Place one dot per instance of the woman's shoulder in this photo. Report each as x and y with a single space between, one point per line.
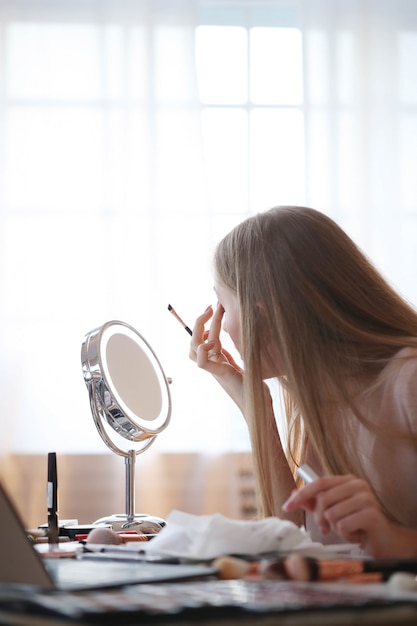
404 360
408 352
400 379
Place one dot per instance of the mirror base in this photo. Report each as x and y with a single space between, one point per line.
121 521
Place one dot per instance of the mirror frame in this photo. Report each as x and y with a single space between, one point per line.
107 407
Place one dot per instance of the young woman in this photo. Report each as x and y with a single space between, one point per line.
302 304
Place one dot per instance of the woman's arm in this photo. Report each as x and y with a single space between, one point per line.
206 350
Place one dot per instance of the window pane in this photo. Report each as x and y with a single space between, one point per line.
407 55
408 240
276 66
277 158
46 272
53 61
318 61
58 153
178 185
136 165
408 162
173 58
226 168
319 159
347 75
113 57
221 60
138 63
349 169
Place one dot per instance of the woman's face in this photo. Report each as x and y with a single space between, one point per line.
231 325
231 317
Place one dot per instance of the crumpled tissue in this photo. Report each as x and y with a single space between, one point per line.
209 536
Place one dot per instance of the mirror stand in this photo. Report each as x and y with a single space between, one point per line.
130 519
129 398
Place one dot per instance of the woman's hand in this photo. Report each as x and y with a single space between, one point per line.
347 505
207 351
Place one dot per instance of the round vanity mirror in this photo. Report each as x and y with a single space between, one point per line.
129 398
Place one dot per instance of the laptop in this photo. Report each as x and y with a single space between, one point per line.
21 563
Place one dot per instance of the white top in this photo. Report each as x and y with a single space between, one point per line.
391 465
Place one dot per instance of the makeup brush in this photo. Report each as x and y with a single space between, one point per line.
177 317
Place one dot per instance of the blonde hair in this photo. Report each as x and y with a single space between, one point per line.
304 287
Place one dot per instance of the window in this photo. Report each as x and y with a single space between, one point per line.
135 134
250 78
115 190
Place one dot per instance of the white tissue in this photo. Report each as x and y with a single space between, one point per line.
209 536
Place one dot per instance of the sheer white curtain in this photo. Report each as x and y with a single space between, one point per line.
360 61
135 133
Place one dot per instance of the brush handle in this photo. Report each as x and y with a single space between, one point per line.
306 473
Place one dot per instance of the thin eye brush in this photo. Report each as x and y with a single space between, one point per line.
177 317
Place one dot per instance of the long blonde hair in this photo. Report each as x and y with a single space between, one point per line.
305 287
